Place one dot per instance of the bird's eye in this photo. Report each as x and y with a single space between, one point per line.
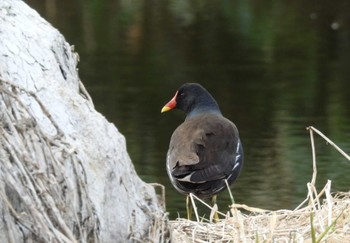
182 94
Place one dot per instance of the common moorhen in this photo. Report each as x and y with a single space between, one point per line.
205 150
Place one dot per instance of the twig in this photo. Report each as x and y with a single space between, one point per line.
194 206
207 205
314 167
229 191
251 209
329 201
330 142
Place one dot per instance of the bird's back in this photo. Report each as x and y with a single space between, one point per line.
203 152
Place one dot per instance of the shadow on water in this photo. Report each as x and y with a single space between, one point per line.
274 67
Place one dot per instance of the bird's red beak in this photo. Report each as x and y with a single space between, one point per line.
170 105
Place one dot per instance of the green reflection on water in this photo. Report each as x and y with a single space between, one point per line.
274 68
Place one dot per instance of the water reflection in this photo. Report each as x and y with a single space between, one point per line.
274 67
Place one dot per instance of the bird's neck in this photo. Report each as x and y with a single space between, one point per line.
205 108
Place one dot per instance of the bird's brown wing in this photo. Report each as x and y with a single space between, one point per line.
203 149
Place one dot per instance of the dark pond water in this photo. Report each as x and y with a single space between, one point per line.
275 67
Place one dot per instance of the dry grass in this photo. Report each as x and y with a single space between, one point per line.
321 217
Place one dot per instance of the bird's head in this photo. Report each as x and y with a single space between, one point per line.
192 98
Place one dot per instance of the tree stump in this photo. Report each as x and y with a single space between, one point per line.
65 174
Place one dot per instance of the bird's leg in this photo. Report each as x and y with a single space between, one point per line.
215 207
189 207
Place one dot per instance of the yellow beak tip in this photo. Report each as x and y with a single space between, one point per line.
165 108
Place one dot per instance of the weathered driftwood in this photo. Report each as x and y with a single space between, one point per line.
65 175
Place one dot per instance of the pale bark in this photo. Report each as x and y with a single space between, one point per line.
65 175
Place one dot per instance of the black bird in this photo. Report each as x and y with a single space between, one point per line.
205 150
